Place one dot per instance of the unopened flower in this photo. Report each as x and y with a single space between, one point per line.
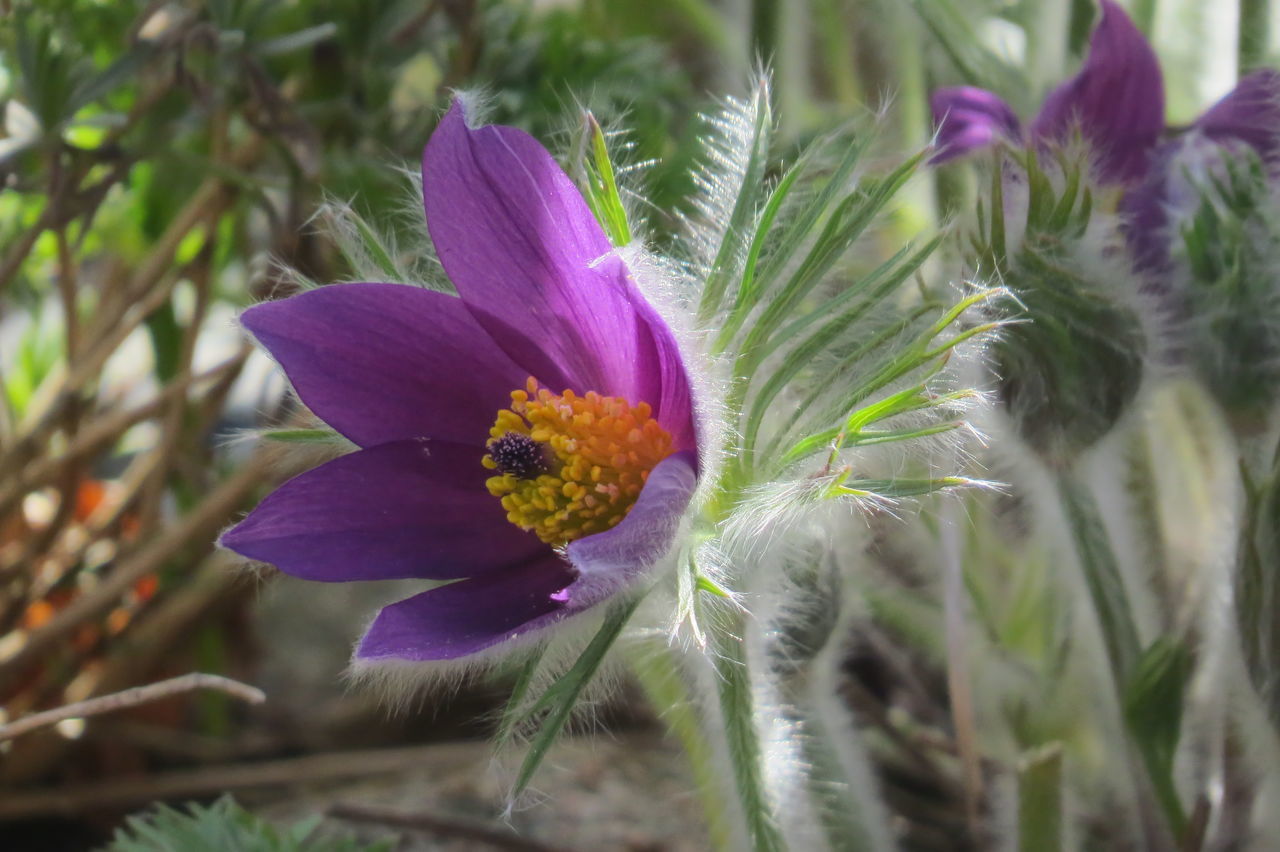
1246 119
1066 377
531 439
1116 102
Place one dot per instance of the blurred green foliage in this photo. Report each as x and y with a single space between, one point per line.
225 826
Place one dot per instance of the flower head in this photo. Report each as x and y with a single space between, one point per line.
1115 101
1246 119
531 439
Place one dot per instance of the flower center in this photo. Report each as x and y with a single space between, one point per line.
569 466
517 454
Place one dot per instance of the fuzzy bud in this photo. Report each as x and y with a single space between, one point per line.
1226 256
1068 371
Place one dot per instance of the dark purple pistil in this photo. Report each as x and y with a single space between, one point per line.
519 455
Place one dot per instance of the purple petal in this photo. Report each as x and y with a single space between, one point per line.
1182 167
398 510
1249 114
388 362
1145 216
610 559
469 616
529 259
1116 100
663 381
969 118
472 615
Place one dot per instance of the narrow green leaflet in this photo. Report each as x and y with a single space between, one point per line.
745 205
303 436
1153 703
560 699
787 241
602 186
847 223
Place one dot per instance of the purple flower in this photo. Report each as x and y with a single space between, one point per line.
1116 101
1248 118
532 438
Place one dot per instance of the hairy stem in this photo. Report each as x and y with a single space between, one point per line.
657 668
1102 578
1115 620
745 753
1255 28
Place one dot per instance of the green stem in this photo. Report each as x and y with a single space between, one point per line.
1144 15
839 51
658 670
765 20
1102 577
1115 619
1255 28
1082 14
842 819
745 755
915 211
1040 800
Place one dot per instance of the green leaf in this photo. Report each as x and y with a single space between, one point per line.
224 826
514 712
110 78
847 222
710 586
1102 577
166 341
1153 704
298 40
899 487
373 247
784 245
745 204
602 187
658 670
303 436
560 699
870 292
979 65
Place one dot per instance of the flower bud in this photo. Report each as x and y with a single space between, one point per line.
1072 360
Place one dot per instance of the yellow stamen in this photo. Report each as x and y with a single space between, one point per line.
600 450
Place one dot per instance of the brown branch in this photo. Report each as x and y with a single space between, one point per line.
22 246
132 698
148 289
70 474
133 656
201 523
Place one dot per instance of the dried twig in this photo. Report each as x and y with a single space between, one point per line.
132 698
148 288
437 824
126 792
134 656
198 525
106 428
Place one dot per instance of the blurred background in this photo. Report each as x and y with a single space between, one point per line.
165 164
